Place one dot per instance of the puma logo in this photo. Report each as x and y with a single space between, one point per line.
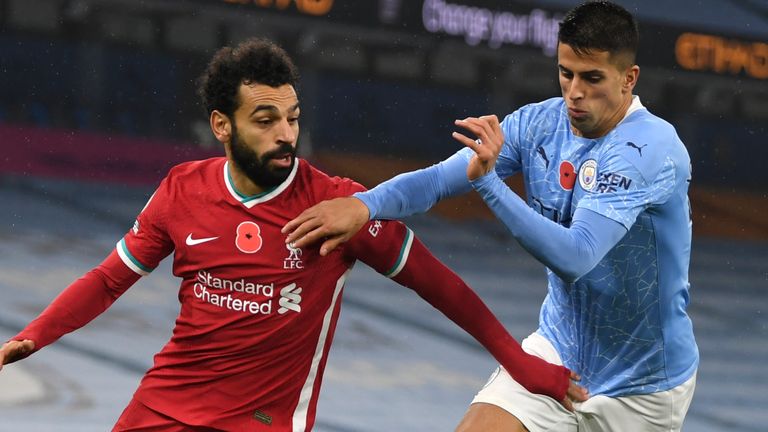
637 147
543 154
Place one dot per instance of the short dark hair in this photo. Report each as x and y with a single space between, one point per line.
252 61
600 26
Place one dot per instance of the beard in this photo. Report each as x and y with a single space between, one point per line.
257 168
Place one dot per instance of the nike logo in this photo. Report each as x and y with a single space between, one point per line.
192 241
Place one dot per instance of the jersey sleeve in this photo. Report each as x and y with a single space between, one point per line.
80 302
136 254
570 252
622 188
417 191
148 242
383 245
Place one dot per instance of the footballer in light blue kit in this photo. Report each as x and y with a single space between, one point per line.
618 317
607 212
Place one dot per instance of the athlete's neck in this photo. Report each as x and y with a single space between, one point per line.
242 183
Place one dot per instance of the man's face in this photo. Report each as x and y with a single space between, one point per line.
265 128
597 91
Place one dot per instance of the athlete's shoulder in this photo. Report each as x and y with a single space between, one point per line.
642 128
197 169
645 125
325 186
648 142
189 176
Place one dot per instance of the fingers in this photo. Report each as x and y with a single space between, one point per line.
484 150
477 127
330 244
28 345
15 350
485 127
576 392
488 130
494 126
469 142
318 233
300 232
312 231
306 228
297 226
490 119
567 404
339 218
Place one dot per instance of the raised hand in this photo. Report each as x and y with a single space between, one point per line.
487 146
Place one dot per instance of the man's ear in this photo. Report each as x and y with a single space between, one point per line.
630 78
221 126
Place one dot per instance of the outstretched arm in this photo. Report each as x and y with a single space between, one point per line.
417 191
136 254
75 307
396 253
336 221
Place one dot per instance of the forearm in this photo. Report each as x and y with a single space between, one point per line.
80 302
417 191
570 252
445 291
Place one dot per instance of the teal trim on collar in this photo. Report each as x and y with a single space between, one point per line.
246 198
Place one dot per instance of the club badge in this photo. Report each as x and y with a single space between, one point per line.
588 175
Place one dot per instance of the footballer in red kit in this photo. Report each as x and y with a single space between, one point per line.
258 314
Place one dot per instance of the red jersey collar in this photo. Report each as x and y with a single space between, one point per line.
250 201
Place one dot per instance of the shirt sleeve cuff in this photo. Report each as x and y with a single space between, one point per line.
486 181
366 198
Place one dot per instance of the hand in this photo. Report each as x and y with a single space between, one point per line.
488 131
334 221
15 350
575 392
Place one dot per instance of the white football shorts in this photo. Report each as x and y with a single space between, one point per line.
655 412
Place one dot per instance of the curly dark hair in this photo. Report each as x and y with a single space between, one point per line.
252 61
602 26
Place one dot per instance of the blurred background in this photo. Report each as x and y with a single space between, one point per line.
98 100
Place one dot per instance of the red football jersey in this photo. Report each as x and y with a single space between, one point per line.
257 316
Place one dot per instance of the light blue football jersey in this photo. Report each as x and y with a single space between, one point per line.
623 326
